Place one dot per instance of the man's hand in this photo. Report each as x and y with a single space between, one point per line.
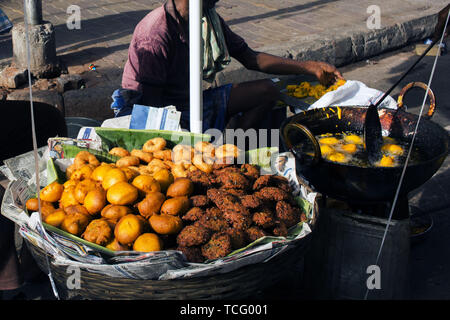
442 18
325 73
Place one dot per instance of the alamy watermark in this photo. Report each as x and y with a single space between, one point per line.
374 20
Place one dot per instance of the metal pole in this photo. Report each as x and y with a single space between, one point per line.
196 65
33 10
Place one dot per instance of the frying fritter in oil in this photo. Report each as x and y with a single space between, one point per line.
218 246
193 254
194 214
287 213
193 235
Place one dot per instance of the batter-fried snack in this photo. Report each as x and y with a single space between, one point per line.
180 187
177 206
193 254
237 220
165 224
201 180
213 220
227 202
238 238
98 231
272 181
218 246
263 219
235 192
119 152
193 235
200 200
287 213
194 214
280 229
251 201
254 233
251 171
272 194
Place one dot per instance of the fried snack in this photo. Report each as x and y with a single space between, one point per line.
95 201
119 152
202 181
146 184
353 138
280 229
70 183
68 198
287 213
193 254
386 161
83 158
213 220
113 212
151 204
98 231
158 163
217 247
179 171
154 144
122 194
130 172
112 177
203 162
52 192
176 206
128 229
199 201
55 218
272 194
180 187
193 235
233 180
250 171
272 181
349 148
33 204
148 242
254 233
193 214
76 220
238 220
235 192
227 202
115 245
128 161
83 173
165 155
227 152
263 219
165 224
164 178
70 170
238 237
99 172
392 149
205 148
182 153
250 201
83 187
337 157
142 155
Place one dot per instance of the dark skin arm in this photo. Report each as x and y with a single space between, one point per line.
442 18
267 63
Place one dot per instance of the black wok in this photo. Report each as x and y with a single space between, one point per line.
364 184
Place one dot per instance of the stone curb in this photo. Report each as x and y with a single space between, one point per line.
341 49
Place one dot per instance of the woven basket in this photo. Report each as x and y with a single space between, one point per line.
246 282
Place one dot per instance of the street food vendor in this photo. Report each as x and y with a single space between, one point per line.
158 68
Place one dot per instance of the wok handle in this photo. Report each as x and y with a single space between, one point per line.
306 132
422 85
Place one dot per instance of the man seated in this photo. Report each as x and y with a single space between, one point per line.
158 67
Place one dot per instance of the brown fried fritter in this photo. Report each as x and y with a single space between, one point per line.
263 219
251 171
287 213
194 214
251 201
238 238
201 180
237 220
213 220
272 181
200 200
218 246
272 194
226 202
193 235
280 229
254 233
234 192
193 254
233 180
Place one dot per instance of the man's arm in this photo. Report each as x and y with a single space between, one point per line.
442 18
267 63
